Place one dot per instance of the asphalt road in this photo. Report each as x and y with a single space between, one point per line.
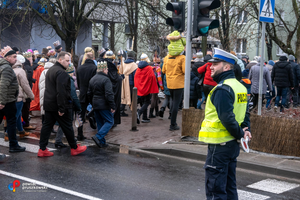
108 175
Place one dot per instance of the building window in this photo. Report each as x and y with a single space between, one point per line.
241 45
279 51
129 43
242 17
282 17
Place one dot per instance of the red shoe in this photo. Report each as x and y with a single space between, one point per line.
79 150
45 153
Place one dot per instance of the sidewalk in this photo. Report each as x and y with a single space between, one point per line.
156 137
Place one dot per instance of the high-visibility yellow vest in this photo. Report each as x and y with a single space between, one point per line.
212 130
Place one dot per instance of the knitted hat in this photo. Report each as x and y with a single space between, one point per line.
27 54
271 62
131 54
110 54
15 49
199 57
20 58
144 57
30 50
177 43
283 58
291 58
70 69
207 58
6 51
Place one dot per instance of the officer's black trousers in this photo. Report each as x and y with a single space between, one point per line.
220 171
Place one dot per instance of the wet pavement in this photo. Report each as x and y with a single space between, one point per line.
159 166
106 174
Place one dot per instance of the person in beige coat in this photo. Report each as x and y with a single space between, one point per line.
24 93
127 69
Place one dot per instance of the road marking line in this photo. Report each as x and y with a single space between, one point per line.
244 195
29 147
60 189
273 186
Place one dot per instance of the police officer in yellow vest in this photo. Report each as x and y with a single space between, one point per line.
226 121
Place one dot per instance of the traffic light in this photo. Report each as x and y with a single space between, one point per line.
178 15
201 22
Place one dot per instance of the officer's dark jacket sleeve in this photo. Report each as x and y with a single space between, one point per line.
223 100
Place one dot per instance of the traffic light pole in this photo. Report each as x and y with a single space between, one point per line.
188 56
261 67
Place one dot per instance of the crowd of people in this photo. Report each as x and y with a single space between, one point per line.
50 81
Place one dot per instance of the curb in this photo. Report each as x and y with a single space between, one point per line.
252 166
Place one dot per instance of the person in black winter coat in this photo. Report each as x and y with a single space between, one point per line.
101 96
283 79
195 90
58 105
296 72
84 74
116 81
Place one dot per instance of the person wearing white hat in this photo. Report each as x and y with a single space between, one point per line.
146 84
24 91
226 121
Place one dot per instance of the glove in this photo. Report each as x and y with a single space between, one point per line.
122 75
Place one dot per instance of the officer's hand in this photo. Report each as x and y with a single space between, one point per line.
60 114
1 106
247 133
112 110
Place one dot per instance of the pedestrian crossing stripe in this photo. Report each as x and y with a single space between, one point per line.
29 147
273 186
267 10
245 195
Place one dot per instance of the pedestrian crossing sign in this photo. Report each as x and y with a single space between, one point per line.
266 11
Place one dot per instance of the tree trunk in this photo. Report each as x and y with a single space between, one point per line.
298 45
269 48
136 20
112 36
70 45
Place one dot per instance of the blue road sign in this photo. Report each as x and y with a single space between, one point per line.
266 11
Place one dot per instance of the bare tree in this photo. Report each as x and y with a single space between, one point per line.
284 32
66 17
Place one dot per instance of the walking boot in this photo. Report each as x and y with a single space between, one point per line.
80 136
27 128
2 157
161 112
23 134
156 111
151 113
123 114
